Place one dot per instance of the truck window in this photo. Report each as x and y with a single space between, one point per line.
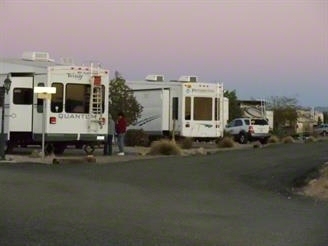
261 122
23 96
202 108
187 108
56 104
238 123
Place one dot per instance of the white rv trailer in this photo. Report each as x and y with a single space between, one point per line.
76 114
187 107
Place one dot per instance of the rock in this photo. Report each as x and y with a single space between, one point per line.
90 158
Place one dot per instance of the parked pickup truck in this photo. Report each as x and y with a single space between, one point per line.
321 129
249 129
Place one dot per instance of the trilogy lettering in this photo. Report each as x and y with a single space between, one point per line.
75 75
76 116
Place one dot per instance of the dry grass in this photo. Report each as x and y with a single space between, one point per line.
186 143
257 144
165 147
226 142
311 139
288 139
318 188
273 139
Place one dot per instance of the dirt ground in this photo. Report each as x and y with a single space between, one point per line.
317 188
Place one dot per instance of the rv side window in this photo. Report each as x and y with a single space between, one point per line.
175 108
202 108
57 98
39 102
217 109
187 108
23 96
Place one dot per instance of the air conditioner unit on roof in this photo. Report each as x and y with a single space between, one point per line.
153 77
188 79
36 56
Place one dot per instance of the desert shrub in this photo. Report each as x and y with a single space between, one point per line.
273 139
186 143
226 142
257 144
164 147
310 139
227 134
324 171
288 139
136 137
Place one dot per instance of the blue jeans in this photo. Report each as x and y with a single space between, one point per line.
120 142
108 145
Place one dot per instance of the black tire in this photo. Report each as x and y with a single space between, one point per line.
324 133
9 149
59 149
264 140
242 138
79 145
49 149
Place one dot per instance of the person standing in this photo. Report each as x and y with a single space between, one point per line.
120 131
108 146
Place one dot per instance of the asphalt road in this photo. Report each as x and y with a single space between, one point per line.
232 198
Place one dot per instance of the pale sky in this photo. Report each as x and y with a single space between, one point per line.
260 48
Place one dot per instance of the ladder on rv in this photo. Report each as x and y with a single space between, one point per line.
96 100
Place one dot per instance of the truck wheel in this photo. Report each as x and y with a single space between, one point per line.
243 138
324 133
264 140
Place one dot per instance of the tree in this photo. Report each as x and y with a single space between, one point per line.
122 99
325 117
284 111
234 108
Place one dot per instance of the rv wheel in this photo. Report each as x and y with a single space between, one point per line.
10 148
59 149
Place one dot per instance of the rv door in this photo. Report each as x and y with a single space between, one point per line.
39 80
20 114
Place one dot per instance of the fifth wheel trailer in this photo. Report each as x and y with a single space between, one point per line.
75 114
186 107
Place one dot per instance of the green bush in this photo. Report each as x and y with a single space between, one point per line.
186 143
226 142
136 138
164 147
288 139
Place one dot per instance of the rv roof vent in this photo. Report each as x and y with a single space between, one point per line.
154 78
66 61
188 79
36 56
